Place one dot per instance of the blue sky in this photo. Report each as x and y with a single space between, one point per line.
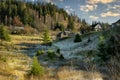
91 10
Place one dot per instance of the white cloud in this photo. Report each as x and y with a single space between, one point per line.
100 1
88 7
50 1
61 0
53 1
68 9
115 7
93 4
94 17
109 13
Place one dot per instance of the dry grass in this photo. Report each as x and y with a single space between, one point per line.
18 42
70 74
66 73
13 67
16 39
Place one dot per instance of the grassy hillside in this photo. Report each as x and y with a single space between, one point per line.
16 65
78 62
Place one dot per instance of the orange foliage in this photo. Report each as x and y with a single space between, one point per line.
16 21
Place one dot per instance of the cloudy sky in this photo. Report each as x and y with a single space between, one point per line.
91 10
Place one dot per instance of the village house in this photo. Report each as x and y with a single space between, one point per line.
64 34
17 29
98 27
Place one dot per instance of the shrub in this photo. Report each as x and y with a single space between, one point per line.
4 34
47 44
58 51
77 38
61 56
51 54
37 69
39 52
89 59
4 59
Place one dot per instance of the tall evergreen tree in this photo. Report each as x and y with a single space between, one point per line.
46 36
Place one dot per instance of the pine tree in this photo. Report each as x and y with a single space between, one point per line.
46 36
109 55
37 69
77 38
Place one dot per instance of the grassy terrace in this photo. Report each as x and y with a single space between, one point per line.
18 41
15 65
